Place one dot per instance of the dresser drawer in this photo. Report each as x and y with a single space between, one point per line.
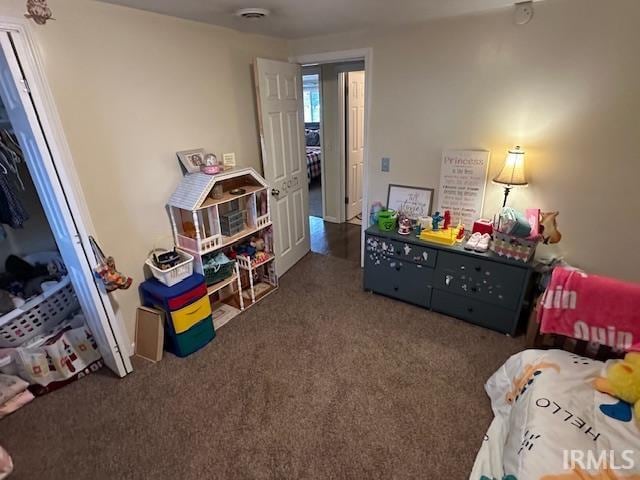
405 251
403 280
475 311
187 317
479 279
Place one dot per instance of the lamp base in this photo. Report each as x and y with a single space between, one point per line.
506 194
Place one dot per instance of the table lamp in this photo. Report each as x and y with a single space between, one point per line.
512 173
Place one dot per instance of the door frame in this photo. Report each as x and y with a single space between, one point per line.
359 54
68 185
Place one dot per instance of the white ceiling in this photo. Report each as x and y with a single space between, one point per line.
306 18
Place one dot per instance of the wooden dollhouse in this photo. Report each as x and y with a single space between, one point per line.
230 213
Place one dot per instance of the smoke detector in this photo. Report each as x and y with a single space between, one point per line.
523 13
252 13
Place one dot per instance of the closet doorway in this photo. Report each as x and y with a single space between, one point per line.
41 163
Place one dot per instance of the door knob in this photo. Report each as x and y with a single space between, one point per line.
275 192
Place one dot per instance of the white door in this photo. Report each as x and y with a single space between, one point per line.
355 142
61 211
281 117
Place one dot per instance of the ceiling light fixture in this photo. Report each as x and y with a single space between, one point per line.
252 13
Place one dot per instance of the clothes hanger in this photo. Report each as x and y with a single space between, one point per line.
11 164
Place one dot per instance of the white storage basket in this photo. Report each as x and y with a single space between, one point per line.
173 275
38 315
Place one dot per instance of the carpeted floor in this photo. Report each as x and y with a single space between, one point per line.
320 380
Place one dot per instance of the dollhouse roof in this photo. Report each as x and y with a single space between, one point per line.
195 187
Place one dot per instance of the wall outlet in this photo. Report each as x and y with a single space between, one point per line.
386 163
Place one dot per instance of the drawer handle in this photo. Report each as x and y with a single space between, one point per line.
395 289
478 268
470 309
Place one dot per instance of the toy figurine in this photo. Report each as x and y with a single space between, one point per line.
426 223
460 235
405 226
437 218
447 219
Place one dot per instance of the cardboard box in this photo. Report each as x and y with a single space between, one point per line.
149 333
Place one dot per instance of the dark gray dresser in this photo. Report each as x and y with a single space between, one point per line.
482 288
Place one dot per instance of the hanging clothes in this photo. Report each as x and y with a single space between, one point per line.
12 212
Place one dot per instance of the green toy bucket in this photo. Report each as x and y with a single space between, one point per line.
387 220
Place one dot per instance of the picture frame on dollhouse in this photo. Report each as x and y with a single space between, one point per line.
192 160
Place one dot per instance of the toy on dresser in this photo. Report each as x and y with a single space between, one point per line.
440 230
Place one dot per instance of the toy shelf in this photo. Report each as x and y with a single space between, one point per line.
248 302
229 197
246 264
211 289
207 218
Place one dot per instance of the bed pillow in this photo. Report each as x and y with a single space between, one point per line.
312 138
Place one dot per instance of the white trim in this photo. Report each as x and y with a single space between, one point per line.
342 143
333 57
49 119
344 56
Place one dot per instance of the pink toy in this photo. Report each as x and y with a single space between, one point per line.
405 226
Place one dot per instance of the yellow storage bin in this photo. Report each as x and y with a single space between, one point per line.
187 317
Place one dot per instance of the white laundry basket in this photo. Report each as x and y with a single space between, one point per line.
40 314
175 274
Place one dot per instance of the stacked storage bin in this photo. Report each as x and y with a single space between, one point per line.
188 321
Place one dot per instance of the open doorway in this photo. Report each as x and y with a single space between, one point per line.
313 146
334 95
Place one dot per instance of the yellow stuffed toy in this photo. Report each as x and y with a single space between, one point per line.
623 382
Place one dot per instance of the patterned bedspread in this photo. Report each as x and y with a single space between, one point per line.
314 154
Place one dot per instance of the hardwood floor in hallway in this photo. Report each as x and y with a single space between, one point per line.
340 240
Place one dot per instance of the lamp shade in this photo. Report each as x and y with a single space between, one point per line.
512 172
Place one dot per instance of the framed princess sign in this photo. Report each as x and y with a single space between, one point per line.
463 178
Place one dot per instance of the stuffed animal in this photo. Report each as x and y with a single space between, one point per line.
623 382
549 227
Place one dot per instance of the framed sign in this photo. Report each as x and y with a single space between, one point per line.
414 202
463 179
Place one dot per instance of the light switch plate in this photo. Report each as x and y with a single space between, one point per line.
386 163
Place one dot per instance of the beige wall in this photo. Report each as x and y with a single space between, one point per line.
132 88
565 87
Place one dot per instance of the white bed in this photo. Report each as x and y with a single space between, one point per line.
544 407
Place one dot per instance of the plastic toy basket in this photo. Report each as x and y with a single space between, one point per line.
39 314
219 272
175 274
517 248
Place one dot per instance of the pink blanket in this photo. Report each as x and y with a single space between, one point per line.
593 308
